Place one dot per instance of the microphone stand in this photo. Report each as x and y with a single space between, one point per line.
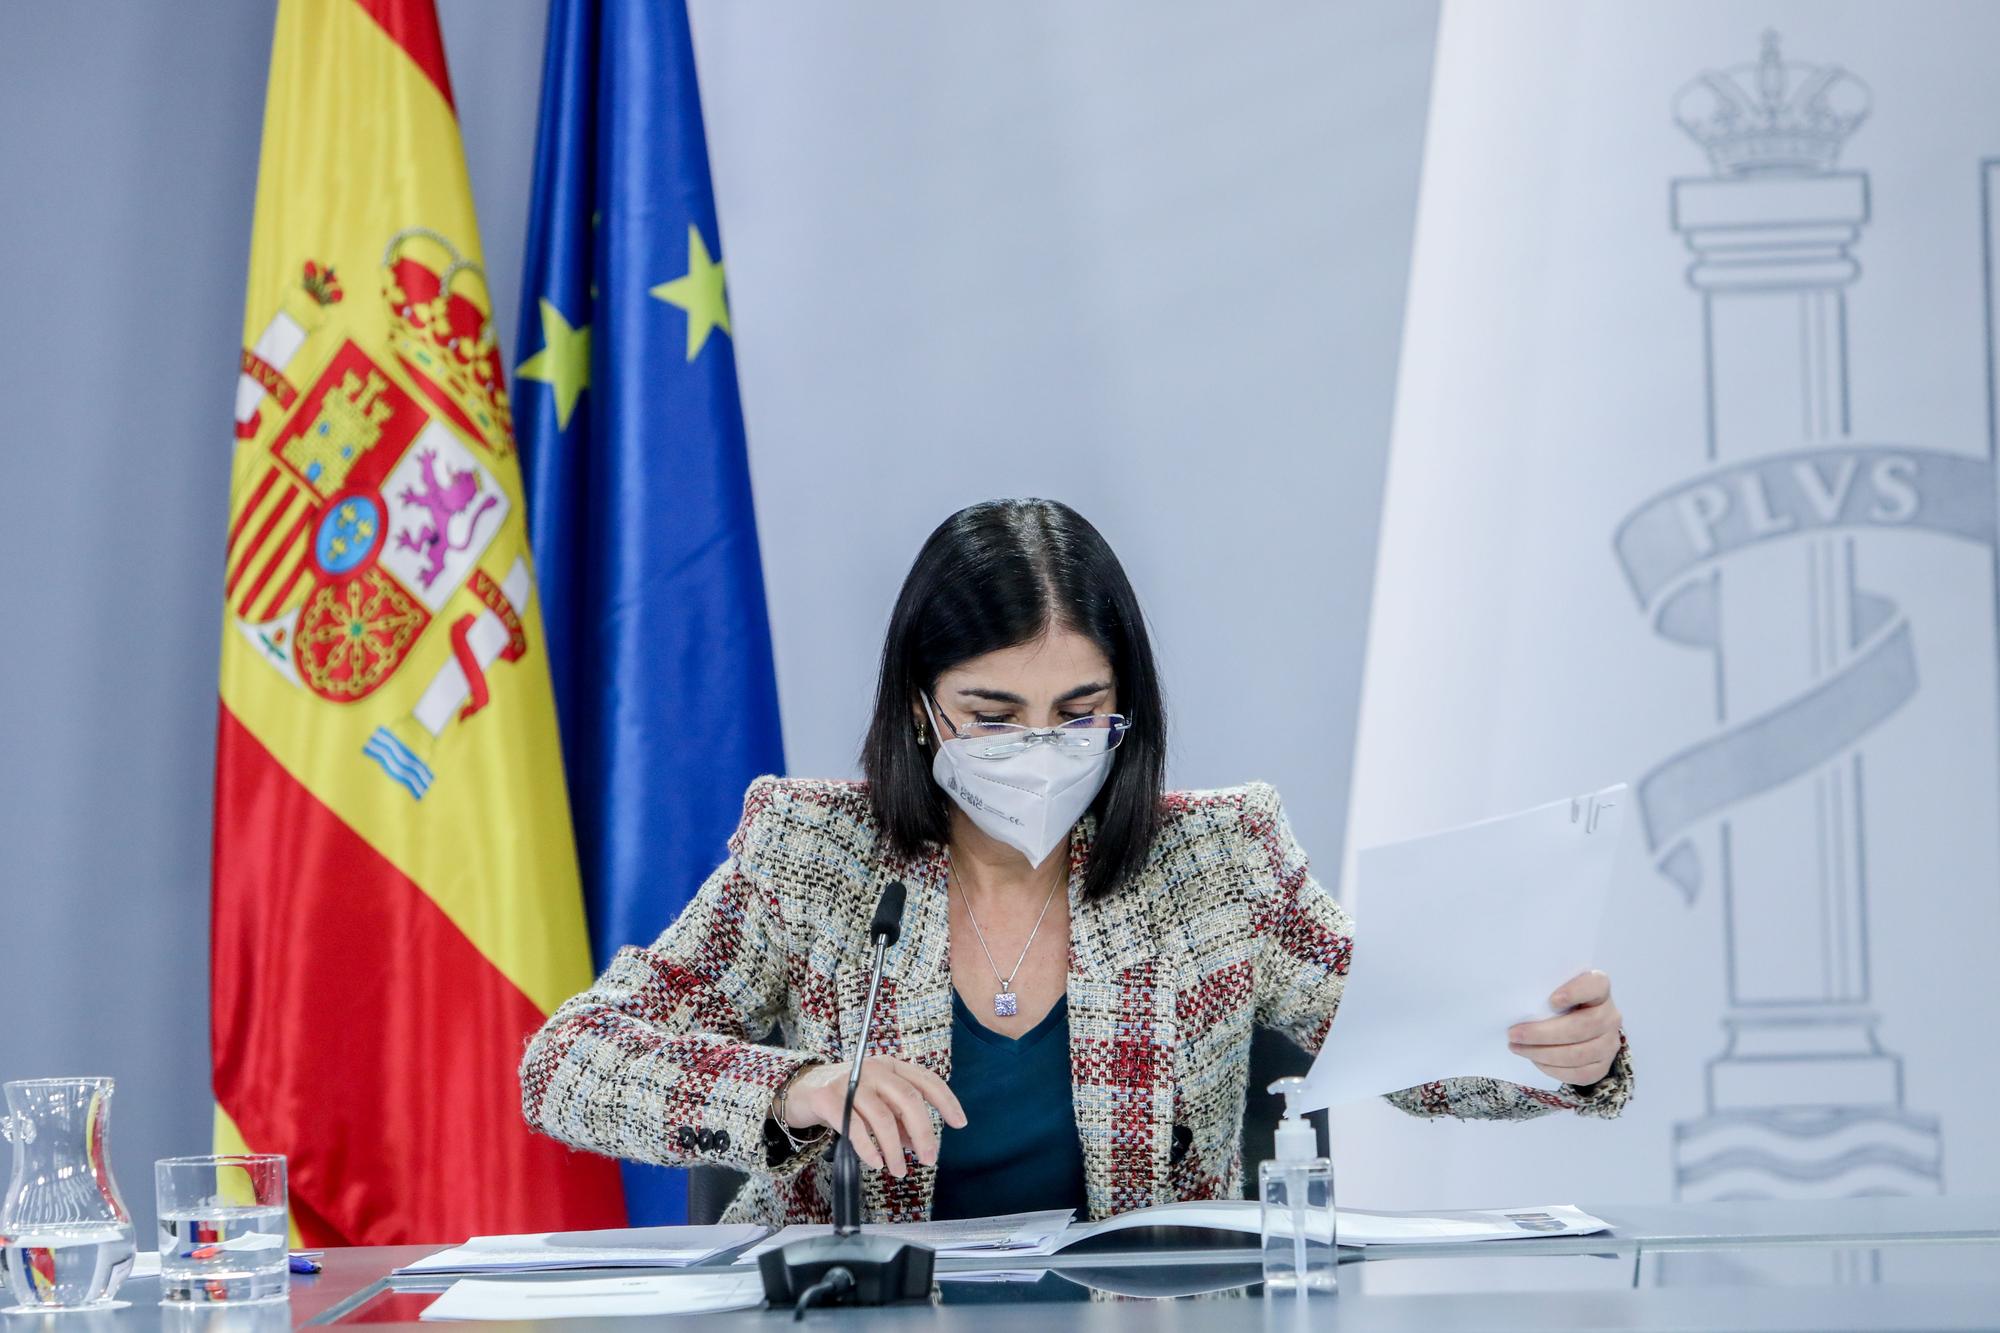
847 1162
847 1267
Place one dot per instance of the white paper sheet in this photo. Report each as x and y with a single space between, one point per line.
1356 1227
1361 1227
1462 934
625 1247
589 1298
1023 1275
1012 1233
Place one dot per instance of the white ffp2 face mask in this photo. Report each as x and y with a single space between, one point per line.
1030 800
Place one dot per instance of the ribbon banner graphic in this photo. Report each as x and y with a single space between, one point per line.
1673 550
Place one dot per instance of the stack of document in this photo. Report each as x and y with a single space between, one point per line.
681 1293
1020 1236
1014 1233
630 1247
1007 1241
1357 1227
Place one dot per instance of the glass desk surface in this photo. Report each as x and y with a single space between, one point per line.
1824 1265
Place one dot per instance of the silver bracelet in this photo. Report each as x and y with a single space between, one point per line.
778 1115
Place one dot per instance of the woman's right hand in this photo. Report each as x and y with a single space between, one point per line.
891 1109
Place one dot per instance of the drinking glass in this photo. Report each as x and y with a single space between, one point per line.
259 1317
222 1229
66 1241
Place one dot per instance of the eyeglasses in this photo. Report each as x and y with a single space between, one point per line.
1079 736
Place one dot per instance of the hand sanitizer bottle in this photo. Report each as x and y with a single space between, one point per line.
1296 1189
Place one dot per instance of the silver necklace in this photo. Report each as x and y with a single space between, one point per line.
1005 1002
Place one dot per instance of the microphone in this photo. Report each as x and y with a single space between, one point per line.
883 930
888 923
848 1268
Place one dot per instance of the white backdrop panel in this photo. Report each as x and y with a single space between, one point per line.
1791 367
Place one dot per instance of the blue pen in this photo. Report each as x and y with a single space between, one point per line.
302 1263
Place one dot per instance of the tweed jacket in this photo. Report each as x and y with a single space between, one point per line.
1225 928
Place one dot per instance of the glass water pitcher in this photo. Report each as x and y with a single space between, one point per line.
66 1239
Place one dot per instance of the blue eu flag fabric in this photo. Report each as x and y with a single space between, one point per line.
638 485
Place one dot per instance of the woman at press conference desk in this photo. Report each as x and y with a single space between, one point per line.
1055 1031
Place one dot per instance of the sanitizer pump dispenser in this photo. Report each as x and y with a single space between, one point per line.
1296 1190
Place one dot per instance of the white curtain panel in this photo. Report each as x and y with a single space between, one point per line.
1692 485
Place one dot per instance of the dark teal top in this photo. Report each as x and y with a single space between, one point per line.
1018 1152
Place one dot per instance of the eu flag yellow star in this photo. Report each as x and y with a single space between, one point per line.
699 292
563 363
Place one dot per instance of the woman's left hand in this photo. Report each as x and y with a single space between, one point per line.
1576 1047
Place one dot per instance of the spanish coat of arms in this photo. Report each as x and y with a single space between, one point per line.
373 495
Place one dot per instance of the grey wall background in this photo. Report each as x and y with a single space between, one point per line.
1149 259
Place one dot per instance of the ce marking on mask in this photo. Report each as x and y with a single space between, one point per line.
972 801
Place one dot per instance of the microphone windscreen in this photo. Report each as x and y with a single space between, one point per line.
888 923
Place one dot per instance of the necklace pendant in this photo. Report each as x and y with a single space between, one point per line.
1004 1004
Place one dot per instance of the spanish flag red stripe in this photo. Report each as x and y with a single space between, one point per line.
277 558
275 603
392 1016
414 27
249 508
256 543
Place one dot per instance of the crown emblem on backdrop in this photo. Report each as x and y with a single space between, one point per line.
1772 117
441 328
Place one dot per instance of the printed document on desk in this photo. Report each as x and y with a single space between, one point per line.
587 1298
624 1247
1011 1233
1459 935
1355 1227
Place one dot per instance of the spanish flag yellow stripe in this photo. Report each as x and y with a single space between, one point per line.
360 146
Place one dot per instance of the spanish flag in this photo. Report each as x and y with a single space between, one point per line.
396 905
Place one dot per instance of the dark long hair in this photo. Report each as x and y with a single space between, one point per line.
992 576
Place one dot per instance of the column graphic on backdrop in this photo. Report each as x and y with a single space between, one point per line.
1759 560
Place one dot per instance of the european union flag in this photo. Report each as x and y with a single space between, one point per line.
638 484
